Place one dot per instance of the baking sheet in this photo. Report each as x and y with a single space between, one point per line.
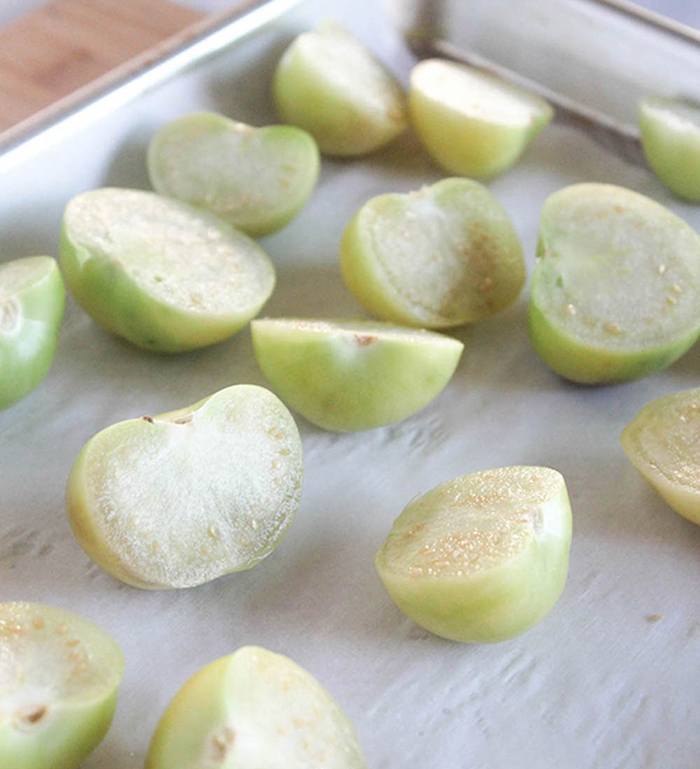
596 684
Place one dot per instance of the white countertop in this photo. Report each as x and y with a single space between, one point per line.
596 684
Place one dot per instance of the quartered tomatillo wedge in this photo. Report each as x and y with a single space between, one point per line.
472 123
158 272
257 179
250 710
59 678
330 85
442 256
31 310
355 374
483 557
182 498
616 289
663 444
670 133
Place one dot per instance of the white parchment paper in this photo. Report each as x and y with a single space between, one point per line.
596 684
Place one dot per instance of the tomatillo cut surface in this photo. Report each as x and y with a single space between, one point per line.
483 557
472 123
663 444
670 134
328 83
257 179
180 499
59 679
254 710
354 374
615 292
441 256
31 310
164 275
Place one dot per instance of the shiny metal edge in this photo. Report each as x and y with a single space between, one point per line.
607 132
183 50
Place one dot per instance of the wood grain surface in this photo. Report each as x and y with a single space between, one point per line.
65 44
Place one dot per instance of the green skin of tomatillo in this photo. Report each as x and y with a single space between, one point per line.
346 382
671 149
211 162
29 325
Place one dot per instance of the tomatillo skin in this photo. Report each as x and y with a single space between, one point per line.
481 558
59 681
257 179
32 300
250 710
663 444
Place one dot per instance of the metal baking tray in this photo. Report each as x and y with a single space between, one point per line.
596 684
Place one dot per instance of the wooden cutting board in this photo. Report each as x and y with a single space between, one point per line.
52 51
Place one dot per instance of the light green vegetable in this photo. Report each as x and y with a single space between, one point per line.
615 292
330 85
472 123
670 133
481 558
439 257
251 710
663 444
160 273
257 179
31 310
353 375
182 498
59 678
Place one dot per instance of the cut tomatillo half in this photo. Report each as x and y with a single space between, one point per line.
31 310
663 444
615 292
483 557
59 678
257 179
670 133
350 375
442 256
250 710
328 83
182 498
158 272
472 123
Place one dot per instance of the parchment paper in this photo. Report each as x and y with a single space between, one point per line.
596 684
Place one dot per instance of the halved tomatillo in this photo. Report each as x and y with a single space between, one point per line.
615 293
483 557
164 275
182 498
254 709
59 679
663 444
257 179
438 257
351 375
31 310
